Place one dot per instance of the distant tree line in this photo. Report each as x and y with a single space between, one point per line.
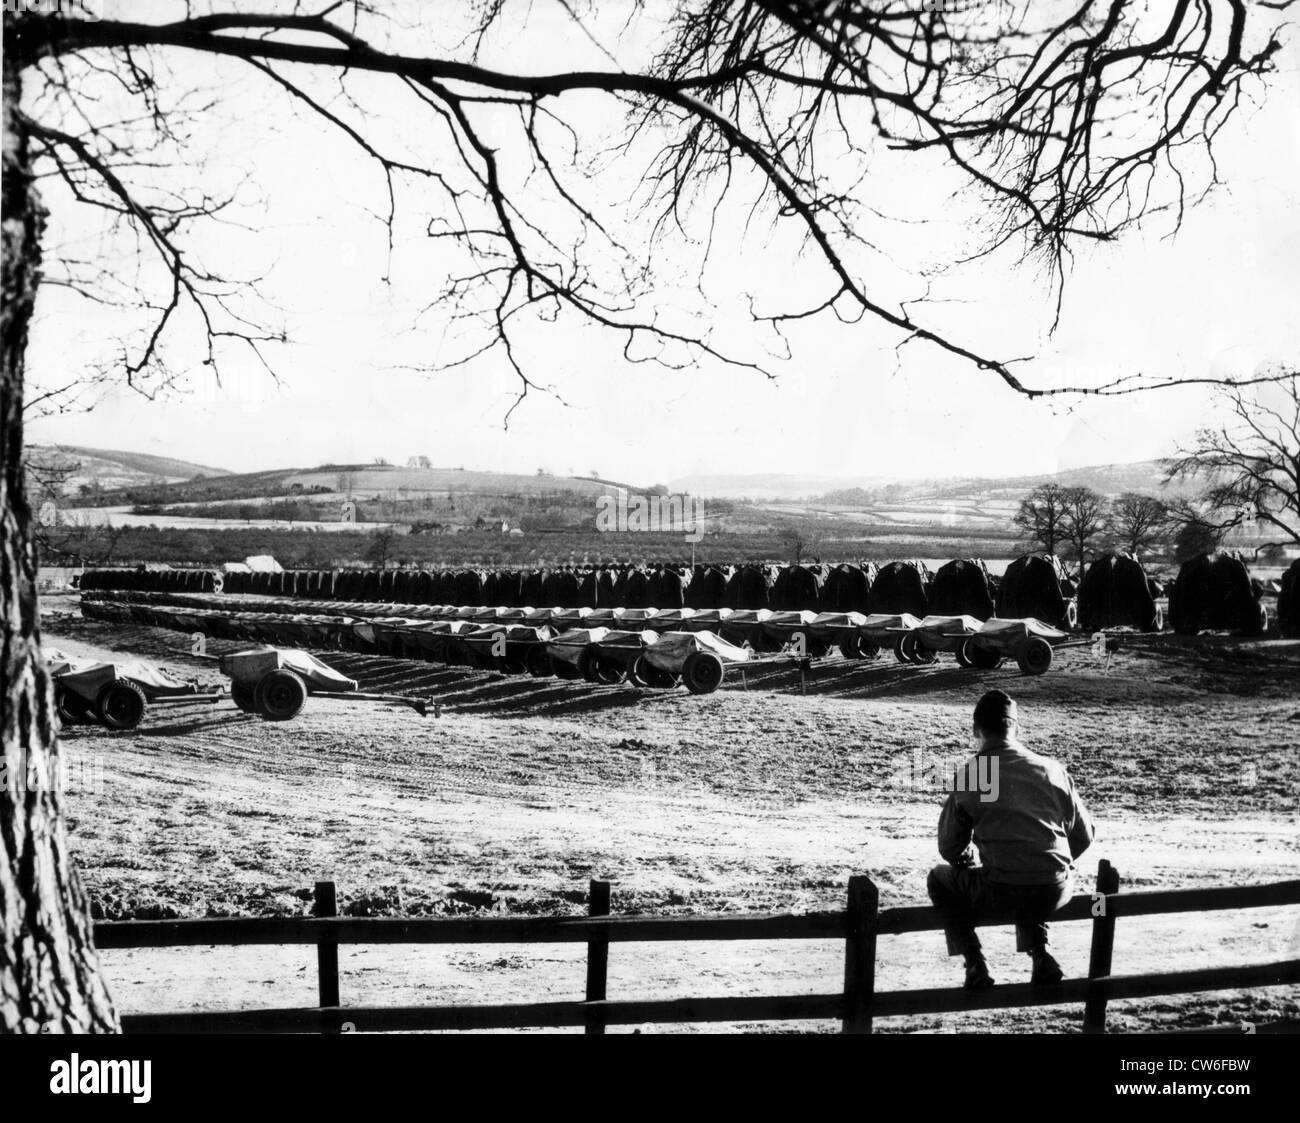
1249 468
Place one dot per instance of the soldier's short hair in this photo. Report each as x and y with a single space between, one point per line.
995 712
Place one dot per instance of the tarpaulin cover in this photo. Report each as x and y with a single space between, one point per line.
1214 592
627 640
744 624
669 618
604 617
671 650
827 625
1034 586
1009 636
708 618
250 666
938 633
791 619
86 677
569 617
483 638
638 617
1288 601
570 645
882 627
1114 593
263 563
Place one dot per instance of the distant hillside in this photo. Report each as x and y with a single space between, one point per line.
1109 479
969 504
772 485
109 469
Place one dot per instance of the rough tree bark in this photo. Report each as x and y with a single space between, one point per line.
49 972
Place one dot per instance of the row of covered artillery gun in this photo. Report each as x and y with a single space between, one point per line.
961 610
1211 592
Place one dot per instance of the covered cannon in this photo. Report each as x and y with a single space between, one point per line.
1288 602
1028 641
1114 593
937 634
962 588
1035 586
1214 592
115 695
699 659
901 588
275 683
886 629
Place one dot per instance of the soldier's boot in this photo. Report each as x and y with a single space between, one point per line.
1047 972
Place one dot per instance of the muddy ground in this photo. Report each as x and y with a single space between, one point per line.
760 797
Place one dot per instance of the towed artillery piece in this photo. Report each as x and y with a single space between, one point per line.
1030 642
698 659
646 659
513 649
975 644
952 635
116 696
275 683
893 631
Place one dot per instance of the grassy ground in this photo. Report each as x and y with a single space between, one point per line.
763 798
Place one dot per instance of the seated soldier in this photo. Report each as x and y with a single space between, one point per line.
1028 825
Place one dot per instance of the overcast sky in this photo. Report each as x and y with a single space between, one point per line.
1220 296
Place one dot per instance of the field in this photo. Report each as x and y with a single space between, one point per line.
201 545
758 799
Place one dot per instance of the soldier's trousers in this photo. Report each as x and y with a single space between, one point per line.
964 895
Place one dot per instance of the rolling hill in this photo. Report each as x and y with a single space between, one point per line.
110 469
1109 479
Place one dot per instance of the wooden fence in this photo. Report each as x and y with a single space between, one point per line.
855 1006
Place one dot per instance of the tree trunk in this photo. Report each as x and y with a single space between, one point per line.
49 972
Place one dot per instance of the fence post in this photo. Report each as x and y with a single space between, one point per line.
597 955
1103 944
327 957
860 953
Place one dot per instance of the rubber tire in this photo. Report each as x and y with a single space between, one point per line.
280 695
914 653
1036 658
73 709
588 662
899 651
703 672
566 671
868 650
244 696
851 648
539 662
963 660
981 658
598 671
1072 614
649 677
120 705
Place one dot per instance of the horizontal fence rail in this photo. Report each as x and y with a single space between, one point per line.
856 1004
